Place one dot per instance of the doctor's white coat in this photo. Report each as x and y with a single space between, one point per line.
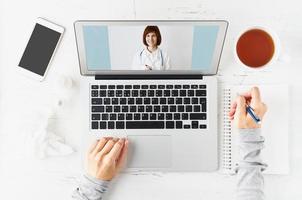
157 60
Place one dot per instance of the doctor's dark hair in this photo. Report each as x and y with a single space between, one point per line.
152 29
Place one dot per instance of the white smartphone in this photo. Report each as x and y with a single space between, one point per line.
40 49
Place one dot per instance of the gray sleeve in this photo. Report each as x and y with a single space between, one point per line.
90 189
250 180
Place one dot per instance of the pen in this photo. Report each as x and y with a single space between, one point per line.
250 111
148 67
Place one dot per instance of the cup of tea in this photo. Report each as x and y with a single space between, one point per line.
257 47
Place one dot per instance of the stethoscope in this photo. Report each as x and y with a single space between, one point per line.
161 57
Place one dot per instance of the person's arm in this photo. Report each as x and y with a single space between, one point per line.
104 160
250 166
90 188
250 180
137 63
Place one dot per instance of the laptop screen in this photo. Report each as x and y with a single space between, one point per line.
152 47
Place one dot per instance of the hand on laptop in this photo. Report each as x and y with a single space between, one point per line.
106 157
238 109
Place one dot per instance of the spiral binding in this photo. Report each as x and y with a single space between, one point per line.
226 130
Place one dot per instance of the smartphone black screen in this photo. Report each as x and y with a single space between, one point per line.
39 49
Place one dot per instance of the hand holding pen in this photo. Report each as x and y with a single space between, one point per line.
248 109
148 67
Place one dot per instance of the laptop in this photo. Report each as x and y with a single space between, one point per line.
153 82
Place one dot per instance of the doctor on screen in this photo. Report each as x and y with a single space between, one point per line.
151 57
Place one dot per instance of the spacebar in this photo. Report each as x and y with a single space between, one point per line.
145 124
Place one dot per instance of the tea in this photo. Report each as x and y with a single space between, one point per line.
255 48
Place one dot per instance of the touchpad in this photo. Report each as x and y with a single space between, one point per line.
149 151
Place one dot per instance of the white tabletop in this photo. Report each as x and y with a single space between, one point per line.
55 178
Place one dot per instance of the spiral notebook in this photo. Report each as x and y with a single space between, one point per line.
274 129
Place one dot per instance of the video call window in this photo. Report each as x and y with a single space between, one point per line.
149 47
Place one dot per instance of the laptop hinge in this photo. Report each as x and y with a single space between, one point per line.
147 76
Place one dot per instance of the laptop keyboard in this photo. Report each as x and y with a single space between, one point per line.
148 106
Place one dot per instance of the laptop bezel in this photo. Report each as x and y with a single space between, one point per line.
78 25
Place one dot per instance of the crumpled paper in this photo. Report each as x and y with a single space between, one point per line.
41 140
